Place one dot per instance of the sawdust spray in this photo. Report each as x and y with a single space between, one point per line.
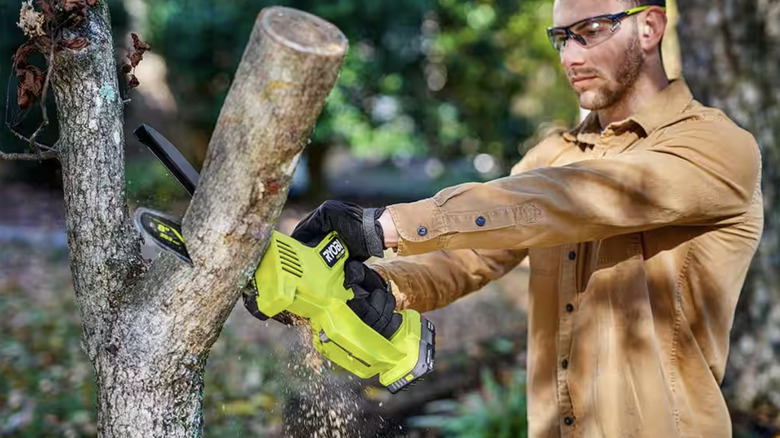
318 405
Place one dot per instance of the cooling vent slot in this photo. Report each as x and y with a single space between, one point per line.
289 259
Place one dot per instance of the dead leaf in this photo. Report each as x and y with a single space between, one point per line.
135 58
78 11
72 5
139 45
30 85
20 57
125 68
132 81
76 43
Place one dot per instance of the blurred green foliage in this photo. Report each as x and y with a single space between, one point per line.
440 77
497 411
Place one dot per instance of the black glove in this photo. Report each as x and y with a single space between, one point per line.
357 227
374 302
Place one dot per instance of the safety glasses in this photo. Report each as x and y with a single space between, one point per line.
591 31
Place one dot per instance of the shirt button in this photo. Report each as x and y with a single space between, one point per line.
480 221
565 364
568 421
570 308
422 231
572 255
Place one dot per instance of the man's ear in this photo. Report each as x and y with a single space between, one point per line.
652 26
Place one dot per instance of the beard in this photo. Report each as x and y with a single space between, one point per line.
617 88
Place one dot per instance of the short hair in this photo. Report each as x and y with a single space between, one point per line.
637 3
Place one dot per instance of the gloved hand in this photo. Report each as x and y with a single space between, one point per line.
374 302
357 227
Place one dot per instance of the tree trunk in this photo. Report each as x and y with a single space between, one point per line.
730 51
148 329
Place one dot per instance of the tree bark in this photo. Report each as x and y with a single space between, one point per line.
148 328
730 51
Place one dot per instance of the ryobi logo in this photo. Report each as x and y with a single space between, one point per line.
332 252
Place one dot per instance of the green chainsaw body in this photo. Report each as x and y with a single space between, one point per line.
309 282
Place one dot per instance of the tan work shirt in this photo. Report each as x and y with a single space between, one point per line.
639 239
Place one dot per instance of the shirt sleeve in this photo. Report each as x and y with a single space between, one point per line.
429 281
698 172
426 282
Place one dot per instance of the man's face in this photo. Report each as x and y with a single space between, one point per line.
601 75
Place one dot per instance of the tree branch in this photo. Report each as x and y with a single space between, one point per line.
45 122
41 151
40 146
28 157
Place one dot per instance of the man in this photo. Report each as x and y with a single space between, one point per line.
640 225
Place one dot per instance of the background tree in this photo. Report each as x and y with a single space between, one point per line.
730 52
148 329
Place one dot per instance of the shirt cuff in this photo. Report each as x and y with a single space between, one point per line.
420 226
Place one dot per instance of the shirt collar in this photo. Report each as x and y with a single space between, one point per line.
587 132
662 109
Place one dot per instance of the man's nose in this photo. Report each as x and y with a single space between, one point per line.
572 55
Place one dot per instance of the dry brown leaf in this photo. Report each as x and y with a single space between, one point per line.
135 58
30 85
139 45
72 5
20 57
76 43
132 81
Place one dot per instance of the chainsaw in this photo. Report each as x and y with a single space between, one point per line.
308 282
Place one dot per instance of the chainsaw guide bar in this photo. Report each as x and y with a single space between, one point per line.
163 230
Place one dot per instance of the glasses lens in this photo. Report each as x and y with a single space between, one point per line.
594 31
557 38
